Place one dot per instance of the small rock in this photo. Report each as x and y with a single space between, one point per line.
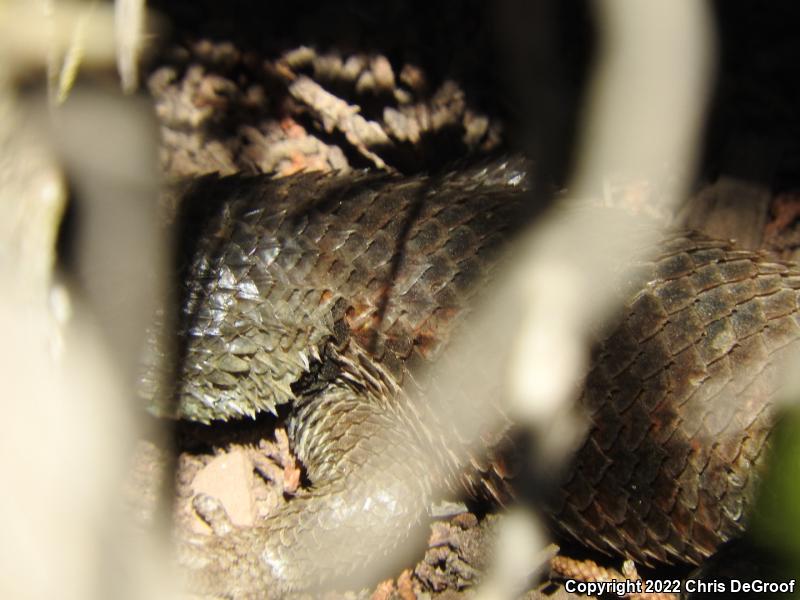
229 479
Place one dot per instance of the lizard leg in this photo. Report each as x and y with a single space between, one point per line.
367 497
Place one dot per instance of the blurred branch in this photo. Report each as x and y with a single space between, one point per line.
642 121
67 35
61 35
129 25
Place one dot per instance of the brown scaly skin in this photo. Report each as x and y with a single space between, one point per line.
680 396
327 291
